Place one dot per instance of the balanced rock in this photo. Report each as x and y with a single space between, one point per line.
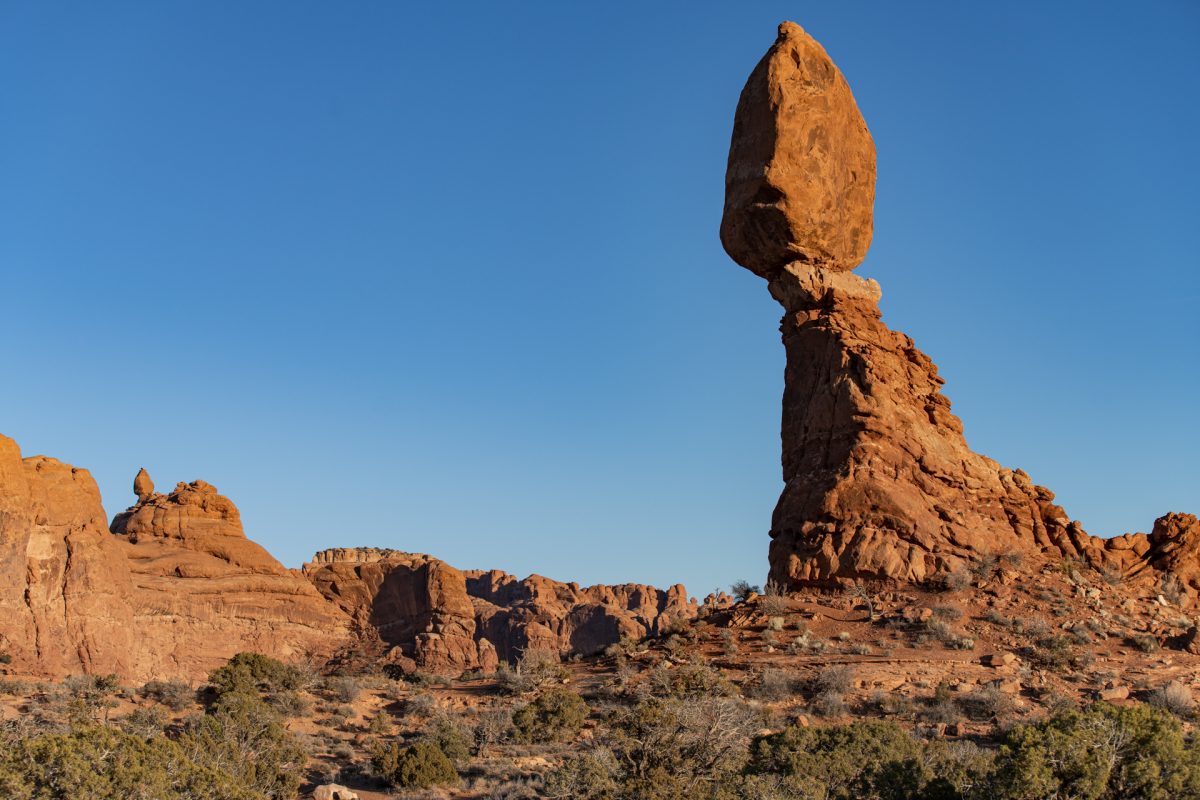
800 183
879 482
143 487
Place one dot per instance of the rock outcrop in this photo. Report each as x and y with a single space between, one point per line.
800 185
538 613
66 598
174 595
203 591
437 619
879 482
413 603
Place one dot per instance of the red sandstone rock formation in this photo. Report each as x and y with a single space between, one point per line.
444 621
800 185
203 591
65 596
542 614
409 601
175 595
880 483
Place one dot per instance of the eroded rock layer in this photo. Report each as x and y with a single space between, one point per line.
438 619
203 591
66 598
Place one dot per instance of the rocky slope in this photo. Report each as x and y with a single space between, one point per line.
879 481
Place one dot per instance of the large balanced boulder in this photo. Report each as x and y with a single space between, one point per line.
800 183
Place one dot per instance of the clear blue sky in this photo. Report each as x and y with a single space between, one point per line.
446 278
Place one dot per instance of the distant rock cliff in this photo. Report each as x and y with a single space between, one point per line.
174 587
440 620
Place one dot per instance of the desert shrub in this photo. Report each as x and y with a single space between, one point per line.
253 672
448 733
144 722
774 601
743 589
1175 698
534 669
553 716
290 704
240 734
493 726
1099 753
91 697
417 766
996 618
988 703
776 624
958 770
689 680
846 762
829 703
421 704
591 775
956 580
667 748
108 764
949 613
380 724
985 566
344 688
836 678
773 685
175 695
1011 559
1145 642
1171 588
1050 652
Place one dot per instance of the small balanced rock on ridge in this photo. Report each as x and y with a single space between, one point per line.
143 487
800 181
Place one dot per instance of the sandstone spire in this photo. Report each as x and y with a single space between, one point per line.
800 184
143 487
879 481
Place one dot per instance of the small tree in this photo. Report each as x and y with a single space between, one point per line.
553 716
743 589
417 766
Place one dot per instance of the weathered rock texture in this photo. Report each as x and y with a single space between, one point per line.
409 601
203 591
65 594
178 593
542 614
438 619
879 481
800 184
